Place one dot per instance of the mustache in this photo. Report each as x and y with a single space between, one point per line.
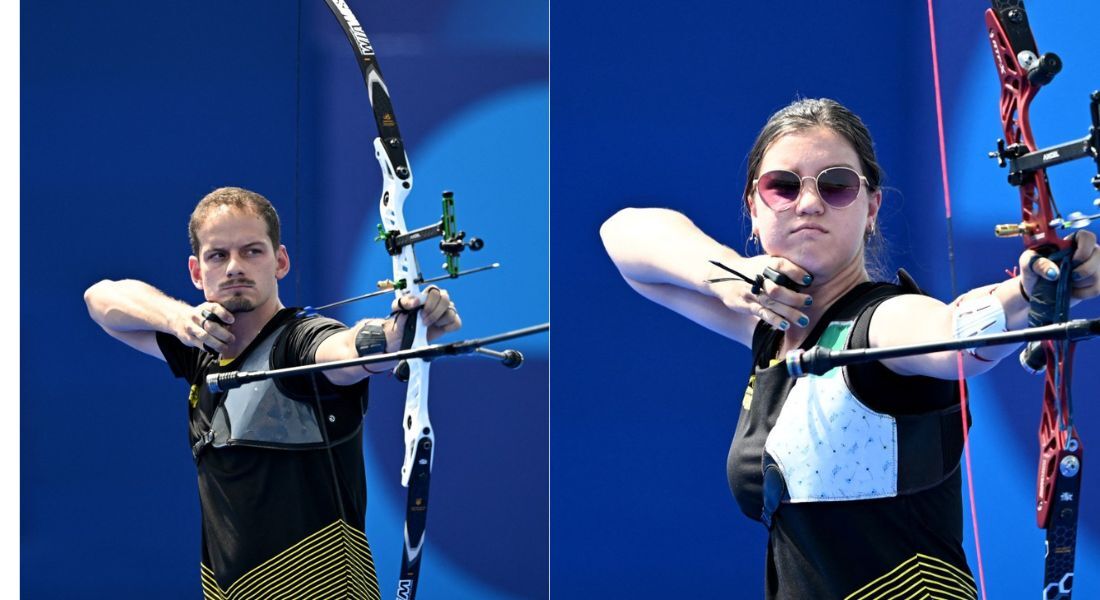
236 282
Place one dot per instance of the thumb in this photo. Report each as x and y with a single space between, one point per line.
405 303
1041 266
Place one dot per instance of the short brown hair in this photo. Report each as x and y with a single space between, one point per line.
237 198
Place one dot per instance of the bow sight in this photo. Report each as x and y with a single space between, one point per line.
1023 164
452 244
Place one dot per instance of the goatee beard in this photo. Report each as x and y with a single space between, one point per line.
238 305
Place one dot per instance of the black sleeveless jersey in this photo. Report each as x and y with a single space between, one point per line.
856 478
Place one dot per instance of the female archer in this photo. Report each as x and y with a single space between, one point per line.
854 473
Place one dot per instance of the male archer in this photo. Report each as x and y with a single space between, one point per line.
280 468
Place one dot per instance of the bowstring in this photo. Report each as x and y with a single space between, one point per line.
297 246
963 400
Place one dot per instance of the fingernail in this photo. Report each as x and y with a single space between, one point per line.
1076 275
809 300
803 320
807 279
783 325
1052 273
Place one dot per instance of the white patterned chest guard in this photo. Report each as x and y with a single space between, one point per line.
827 444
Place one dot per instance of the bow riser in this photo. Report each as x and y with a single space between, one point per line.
416 424
1037 206
1023 71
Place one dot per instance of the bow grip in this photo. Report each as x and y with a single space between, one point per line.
408 334
1049 302
1050 299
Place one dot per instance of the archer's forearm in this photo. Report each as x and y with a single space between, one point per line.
131 305
341 346
660 246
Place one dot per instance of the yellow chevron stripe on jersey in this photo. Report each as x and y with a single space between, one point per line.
334 562
921 576
210 589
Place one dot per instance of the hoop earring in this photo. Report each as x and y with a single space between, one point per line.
753 244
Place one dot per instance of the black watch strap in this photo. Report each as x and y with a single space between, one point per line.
371 339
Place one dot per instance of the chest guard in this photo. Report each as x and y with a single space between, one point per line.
829 446
826 445
262 415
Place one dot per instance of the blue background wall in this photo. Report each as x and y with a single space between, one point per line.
129 117
657 104
131 113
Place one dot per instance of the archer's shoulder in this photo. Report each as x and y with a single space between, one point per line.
309 328
905 294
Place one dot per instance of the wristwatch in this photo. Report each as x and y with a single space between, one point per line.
371 339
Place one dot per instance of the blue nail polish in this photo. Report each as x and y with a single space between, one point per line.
1052 273
803 320
807 279
783 325
809 300
1076 275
